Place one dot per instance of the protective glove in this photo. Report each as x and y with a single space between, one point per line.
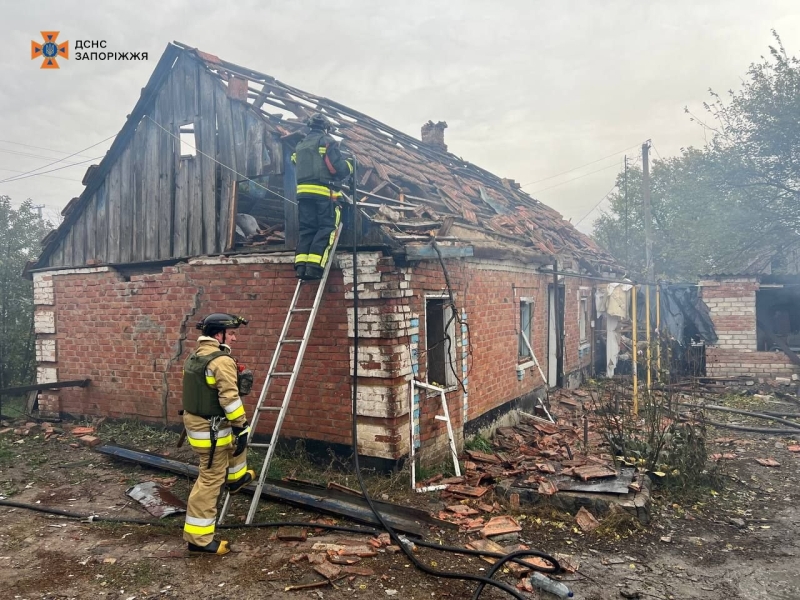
244 380
240 435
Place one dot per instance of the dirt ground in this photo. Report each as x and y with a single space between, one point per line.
737 541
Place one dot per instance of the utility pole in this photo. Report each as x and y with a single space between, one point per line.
648 241
627 239
648 245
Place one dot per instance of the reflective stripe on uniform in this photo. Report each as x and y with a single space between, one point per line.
234 410
236 472
197 526
324 258
210 379
294 157
317 190
301 258
322 150
202 439
314 259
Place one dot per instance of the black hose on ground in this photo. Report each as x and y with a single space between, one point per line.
91 518
482 581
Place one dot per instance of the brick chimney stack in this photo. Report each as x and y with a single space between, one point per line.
433 135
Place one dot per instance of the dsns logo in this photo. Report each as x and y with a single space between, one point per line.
50 50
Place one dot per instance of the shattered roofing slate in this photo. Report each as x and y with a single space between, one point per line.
420 183
402 172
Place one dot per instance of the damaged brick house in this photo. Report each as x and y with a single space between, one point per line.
186 215
756 314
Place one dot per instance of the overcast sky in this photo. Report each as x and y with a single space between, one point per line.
529 89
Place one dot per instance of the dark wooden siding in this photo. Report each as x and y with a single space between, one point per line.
155 204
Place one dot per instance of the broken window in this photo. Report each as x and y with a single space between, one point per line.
525 328
583 320
778 316
188 141
440 340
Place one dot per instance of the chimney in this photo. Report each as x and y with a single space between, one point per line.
433 135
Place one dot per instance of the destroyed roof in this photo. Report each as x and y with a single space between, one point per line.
412 190
420 183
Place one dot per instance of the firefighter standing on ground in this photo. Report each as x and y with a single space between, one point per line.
216 428
320 170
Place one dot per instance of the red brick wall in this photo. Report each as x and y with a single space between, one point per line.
125 336
490 294
131 338
732 304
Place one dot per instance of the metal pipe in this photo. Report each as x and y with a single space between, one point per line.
634 356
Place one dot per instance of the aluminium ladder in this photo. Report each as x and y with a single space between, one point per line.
292 375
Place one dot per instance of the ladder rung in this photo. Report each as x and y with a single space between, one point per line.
440 418
258 445
291 341
268 408
283 374
302 309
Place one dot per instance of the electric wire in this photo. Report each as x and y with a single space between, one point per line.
33 171
357 467
47 176
28 174
40 148
223 165
577 168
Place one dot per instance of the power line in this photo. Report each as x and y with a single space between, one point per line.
591 210
28 154
575 179
27 173
576 168
48 176
40 148
30 174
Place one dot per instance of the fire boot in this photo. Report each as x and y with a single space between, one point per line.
215 547
239 484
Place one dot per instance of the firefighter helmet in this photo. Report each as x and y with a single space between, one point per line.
217 322
317 121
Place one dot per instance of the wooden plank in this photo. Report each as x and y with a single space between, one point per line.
79 240
150 195
207 144
101 222
90 214
226 156
427 252
138 162
114 210
254 144
166 168
68 248
180 227
195 209
188 91
238 115
126 199
292 231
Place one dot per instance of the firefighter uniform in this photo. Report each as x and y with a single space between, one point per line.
320 170
213 415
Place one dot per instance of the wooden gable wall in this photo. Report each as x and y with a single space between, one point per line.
155 204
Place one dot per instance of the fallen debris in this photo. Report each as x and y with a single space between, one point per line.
156 500
292 534
768 462
500 526
586 520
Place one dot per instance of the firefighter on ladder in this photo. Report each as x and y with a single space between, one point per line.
216 427
320 170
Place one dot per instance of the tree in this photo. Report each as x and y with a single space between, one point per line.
19 243
718 208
